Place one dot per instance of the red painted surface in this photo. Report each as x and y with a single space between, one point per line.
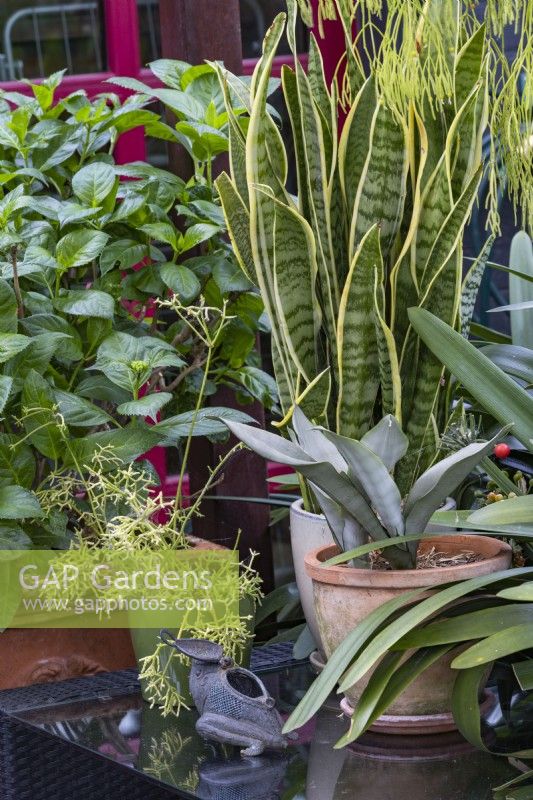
332 44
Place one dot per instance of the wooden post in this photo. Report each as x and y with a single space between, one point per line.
193 31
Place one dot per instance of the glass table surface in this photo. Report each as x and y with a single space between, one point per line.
169 752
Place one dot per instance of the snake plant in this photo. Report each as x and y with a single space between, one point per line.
376 228
351 480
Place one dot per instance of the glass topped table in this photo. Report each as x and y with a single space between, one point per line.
95 737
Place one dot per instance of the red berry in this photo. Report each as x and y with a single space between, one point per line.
502 450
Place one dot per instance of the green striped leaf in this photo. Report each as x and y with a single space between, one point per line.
389 368
470 125
317 80
435 207
450 233
382 188
358 365
290 94
468 66
238 222
355 142
295 273
264 187
471 284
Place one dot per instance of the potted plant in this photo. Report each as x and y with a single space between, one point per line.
94 350
353 484
377 222
394 647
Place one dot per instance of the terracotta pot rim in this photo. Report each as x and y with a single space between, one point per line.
497 556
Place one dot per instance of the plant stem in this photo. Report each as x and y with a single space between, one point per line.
16 284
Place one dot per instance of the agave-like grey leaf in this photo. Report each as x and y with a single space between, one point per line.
387 441
440 480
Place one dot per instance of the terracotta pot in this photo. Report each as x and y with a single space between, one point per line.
30 656
309 531
344 596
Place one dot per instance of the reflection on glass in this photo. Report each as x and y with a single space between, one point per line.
377 767
40 37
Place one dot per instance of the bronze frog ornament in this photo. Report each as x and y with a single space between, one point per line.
234 705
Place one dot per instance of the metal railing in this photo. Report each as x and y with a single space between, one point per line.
12 68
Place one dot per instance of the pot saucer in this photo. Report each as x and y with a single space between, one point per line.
417 725
318 661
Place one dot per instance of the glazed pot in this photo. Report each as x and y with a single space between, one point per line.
344 596
309 531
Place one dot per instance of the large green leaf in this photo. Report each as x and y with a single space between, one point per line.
387 440
494 390
513 639
93 183
524 674
523 592
507 512
392 633
41 418
18 503
238 222
6 382
467 626
462 519
520 291
354 142
181 280
147 406
512 359
207 422
8 308
86 303
70 348
17 464
125 444
340 658
80 247
382 187
465 706
13 538
80 412
11 344
374 478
